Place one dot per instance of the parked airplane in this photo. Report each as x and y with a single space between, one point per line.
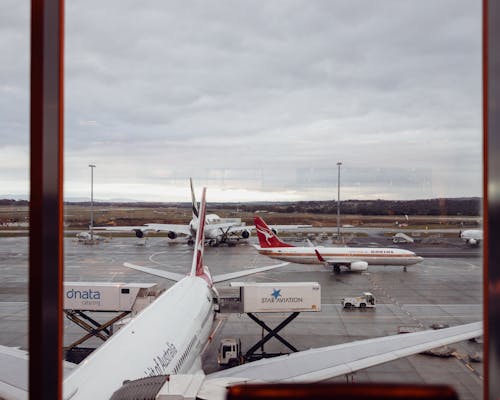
86 236
170 333
217 230
351 258
164 342
473 237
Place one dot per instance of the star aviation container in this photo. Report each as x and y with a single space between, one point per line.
279 296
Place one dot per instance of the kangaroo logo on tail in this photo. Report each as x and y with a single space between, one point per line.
266 236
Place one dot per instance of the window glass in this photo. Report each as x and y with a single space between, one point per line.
279 109
14 178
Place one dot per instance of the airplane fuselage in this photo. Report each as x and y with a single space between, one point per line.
165 338
343 255
215 228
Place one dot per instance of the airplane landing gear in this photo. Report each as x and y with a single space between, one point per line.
336 269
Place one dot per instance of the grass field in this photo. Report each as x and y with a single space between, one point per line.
77 217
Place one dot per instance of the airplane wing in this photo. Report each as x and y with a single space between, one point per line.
119 228
331 260
244 231
14 373
14 365
177 228
239 274
328 362
281 228
172 276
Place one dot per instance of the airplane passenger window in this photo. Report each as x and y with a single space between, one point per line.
340 147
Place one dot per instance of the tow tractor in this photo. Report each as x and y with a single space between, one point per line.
230 353
367 300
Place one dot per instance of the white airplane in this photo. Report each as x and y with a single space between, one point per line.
473 237
351 258
217 229
169 335
84 236
165 342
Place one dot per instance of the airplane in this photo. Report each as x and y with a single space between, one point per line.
170 333
217 229
164 343
472 237
350 258
86 236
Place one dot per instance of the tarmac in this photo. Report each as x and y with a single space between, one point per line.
444 289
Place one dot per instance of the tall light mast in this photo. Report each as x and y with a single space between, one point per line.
92 166
338 201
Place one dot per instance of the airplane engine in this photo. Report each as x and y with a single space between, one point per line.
359 266
171 235
245 234
139 233
275 231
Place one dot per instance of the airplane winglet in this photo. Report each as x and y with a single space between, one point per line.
320 257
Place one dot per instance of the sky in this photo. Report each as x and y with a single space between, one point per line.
257 100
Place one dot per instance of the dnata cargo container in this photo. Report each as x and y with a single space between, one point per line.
279 297
108 296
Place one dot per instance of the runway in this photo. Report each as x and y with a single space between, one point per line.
440 290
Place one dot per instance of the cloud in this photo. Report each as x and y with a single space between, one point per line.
282 87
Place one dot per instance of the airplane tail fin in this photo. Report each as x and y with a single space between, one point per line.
266 235
197 268
195 209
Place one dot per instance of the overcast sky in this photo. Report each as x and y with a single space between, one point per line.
258 100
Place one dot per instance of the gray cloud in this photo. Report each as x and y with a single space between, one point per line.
267 93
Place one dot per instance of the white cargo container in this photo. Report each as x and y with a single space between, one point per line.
108 296
279 296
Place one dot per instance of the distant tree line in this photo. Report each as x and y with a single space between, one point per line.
470 206
11 202
444 206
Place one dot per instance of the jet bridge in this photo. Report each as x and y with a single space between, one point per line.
277 297
84 301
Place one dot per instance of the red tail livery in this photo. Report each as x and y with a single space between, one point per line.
267 237
198 269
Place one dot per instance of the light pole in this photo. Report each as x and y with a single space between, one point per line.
338 201
92 166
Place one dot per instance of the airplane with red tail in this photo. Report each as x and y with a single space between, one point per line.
349 258
160 349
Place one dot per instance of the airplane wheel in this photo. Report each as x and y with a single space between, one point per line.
190 242
336 269
362 305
